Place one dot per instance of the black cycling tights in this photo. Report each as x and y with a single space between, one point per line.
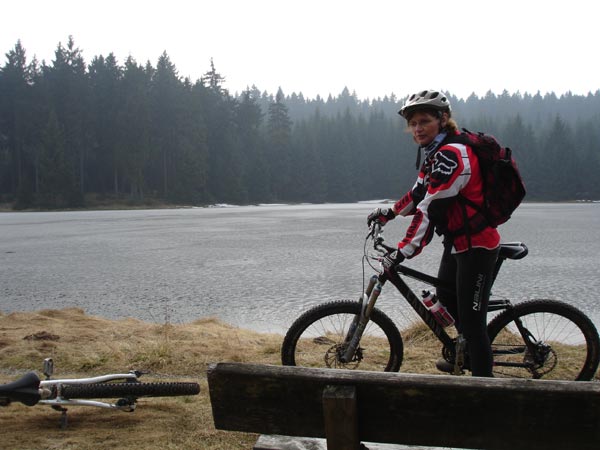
471 272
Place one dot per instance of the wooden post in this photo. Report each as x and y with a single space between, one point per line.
341 418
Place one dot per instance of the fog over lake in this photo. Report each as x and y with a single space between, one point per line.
259 267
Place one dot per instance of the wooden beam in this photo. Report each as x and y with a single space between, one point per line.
433 410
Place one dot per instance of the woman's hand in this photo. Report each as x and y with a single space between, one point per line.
381 215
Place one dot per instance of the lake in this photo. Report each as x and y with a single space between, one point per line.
259 267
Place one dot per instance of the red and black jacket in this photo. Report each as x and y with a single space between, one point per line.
450 173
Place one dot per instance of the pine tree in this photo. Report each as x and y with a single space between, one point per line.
166 87
69 90
225 172
214 81
55 174
279 147
133 141
248 119
106 94
14 86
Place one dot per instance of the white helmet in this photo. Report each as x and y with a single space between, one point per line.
424 100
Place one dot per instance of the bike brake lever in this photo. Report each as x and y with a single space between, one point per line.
376 227
374 230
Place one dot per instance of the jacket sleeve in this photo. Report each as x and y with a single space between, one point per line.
407 205
450 172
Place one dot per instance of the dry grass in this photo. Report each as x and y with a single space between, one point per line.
83 345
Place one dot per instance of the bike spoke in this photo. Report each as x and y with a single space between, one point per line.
549 345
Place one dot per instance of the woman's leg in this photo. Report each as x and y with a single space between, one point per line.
447 273
474 282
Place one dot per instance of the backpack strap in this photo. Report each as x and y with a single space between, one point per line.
478 222
471 225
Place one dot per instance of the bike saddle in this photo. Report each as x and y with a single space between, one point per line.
24 390
513 250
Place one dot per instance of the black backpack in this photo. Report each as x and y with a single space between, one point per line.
503 187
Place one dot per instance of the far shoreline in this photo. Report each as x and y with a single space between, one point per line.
125 206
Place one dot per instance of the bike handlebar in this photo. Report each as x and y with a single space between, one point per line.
24 390
376 234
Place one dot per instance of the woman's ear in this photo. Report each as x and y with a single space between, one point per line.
444 119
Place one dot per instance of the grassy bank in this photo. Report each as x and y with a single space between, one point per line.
83 345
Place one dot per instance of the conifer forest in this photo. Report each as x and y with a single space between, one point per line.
73 133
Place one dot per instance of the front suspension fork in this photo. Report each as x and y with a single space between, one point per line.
360 321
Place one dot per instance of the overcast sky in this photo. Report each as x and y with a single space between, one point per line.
373 47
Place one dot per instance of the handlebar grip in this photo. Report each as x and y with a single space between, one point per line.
24 390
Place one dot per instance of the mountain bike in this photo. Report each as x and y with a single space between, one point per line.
536 339
125 388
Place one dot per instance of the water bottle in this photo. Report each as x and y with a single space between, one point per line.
440 313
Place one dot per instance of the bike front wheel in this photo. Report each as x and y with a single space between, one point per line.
545 339
316 339
128 389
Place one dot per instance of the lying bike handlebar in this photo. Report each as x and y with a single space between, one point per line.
25 390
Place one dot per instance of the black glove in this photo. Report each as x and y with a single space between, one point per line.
391 260
382 215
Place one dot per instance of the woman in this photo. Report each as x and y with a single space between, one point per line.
449 174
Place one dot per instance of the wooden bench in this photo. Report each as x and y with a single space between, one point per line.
350 407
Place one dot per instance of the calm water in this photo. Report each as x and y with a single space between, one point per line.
259 267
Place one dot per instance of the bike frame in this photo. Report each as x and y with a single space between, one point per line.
50 390
416 303
422 311
375 286
49 386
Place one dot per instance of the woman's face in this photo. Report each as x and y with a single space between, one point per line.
425 126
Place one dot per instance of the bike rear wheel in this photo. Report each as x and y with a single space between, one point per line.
316 339
128 389
563 342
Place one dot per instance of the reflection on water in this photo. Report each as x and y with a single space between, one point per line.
259 267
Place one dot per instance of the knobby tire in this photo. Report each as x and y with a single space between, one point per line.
126 389
313 339
569 335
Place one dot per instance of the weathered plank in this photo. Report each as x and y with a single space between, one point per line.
430 410
340 417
